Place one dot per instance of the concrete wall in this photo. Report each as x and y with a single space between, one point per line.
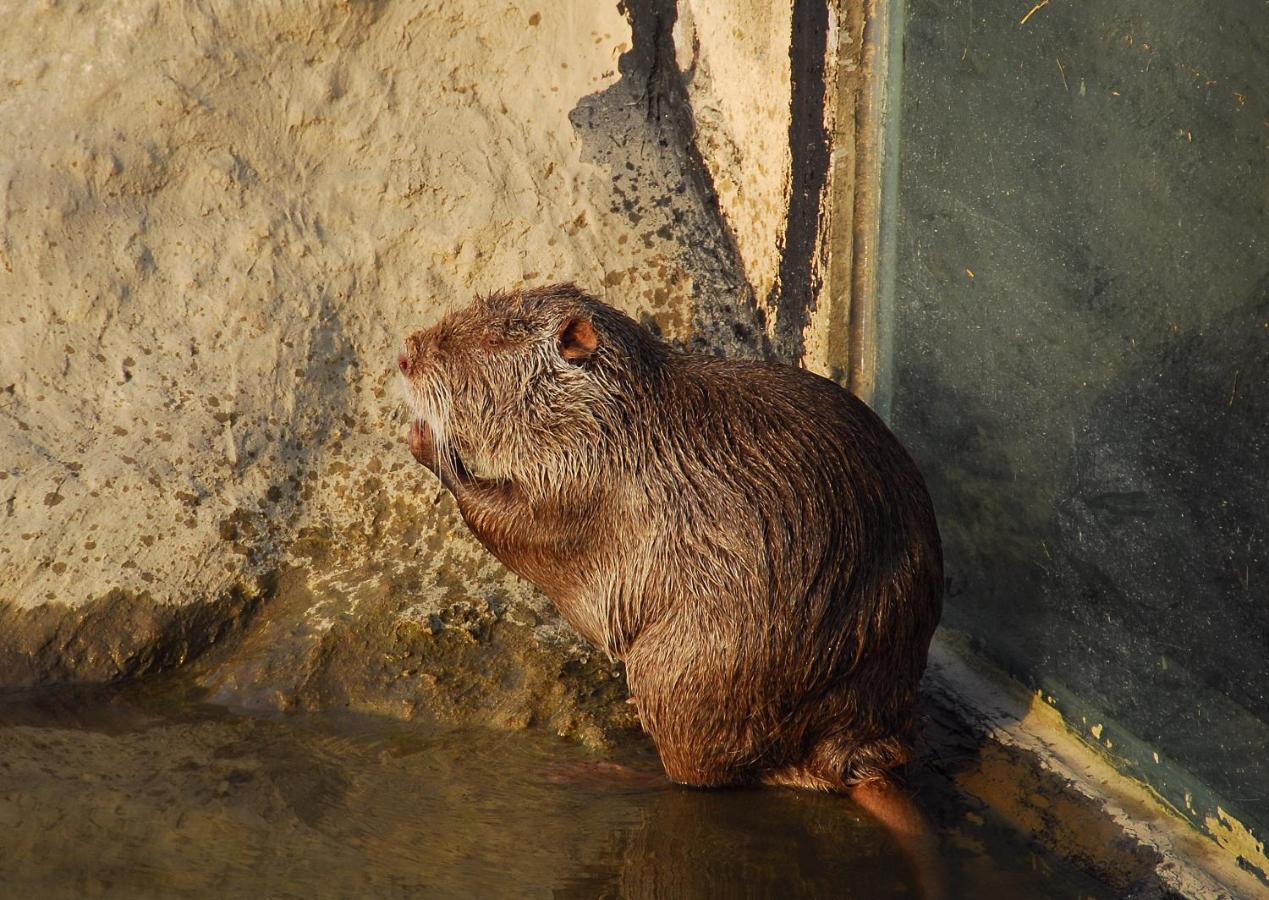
735 61
775 97
218 222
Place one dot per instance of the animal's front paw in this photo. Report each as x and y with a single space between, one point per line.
422 447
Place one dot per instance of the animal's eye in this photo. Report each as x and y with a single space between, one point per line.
491 340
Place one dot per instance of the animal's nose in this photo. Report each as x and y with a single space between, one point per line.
419 346
413 351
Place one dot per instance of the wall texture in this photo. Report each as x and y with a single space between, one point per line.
1081 364
736 63
218 221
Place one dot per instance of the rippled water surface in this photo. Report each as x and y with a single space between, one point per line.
103 794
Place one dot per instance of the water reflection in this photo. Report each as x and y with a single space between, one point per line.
113 796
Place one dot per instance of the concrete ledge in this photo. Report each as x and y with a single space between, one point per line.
999 743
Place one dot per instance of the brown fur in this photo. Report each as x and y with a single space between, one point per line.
748 537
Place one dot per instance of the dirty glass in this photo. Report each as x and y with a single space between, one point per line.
1080 361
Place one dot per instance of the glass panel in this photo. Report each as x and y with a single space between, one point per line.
1081 362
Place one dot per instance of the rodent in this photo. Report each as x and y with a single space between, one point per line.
748 537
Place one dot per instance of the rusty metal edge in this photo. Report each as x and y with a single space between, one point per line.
875 204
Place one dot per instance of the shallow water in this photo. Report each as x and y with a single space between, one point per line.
107 793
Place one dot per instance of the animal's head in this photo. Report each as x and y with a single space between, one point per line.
526 385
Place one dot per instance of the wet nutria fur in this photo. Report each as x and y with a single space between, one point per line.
748 537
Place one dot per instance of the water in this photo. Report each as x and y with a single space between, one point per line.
127 794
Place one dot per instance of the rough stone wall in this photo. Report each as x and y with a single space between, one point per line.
774 92
217 224
217 221
735 58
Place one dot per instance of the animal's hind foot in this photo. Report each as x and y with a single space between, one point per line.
838 766
803 779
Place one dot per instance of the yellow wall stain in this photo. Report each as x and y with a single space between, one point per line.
1039 803
1196 859
1237 838
1230 834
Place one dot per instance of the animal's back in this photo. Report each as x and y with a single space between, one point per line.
807 575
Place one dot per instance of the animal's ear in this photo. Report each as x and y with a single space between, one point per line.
577 339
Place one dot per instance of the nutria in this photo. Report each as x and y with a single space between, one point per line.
749 538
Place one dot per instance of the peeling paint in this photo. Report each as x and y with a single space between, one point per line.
1237 838
1187 861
